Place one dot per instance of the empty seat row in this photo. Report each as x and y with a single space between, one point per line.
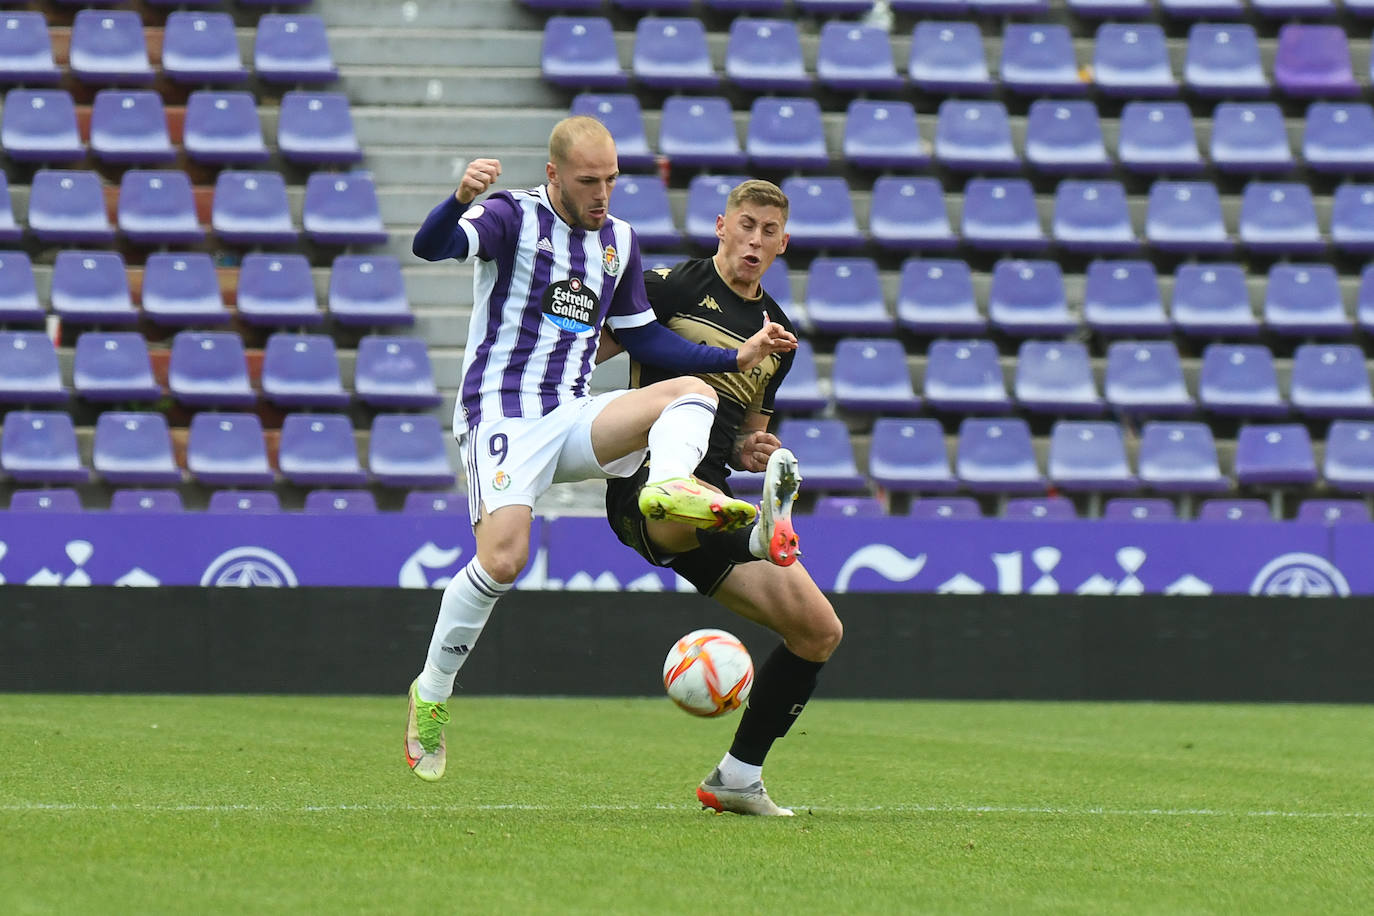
1128 59
1118 508
326 501
226 450
129 126
211 370
1088 9
158 207
93 288
109 48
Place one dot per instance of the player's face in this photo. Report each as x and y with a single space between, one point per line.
581 187
751 237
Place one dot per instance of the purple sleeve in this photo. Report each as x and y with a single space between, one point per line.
464 231
655 345
630 303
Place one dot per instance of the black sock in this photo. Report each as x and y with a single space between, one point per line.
781 688
734 545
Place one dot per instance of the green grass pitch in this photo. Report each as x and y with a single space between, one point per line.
141 805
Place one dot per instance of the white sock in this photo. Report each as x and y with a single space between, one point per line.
463 612
678 438
736 774
757 545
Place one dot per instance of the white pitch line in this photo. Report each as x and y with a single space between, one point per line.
826 809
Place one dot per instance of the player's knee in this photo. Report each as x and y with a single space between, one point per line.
818 637
690 385
506 567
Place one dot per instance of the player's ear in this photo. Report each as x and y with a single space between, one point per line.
720 226
551 172
783 246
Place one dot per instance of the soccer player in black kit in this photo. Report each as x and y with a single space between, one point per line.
753 571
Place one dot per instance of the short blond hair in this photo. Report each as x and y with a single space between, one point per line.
568 132
757 191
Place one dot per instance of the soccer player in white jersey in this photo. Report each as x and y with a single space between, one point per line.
553 267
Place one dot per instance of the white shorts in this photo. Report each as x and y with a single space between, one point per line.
511 461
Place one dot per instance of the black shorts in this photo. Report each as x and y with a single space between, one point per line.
706 567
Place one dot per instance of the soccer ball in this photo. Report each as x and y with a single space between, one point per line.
708 673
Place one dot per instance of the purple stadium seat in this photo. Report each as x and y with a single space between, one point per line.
936 297
765 55
209 369
1284 9
419 502
845 296
662 6
277 289
408 450
1314 61
1158 138
1333 511
1247 511
1137 509
108 48
965 376
10 231
949 57
18 293
68 206
1146 378
848 507
1352 218
945 507
825 449
1038 59
317 128
61 499
29 372
747 6
130 126
1132 59
975 136
910 214
910 456
1304 300
700 131
1107 9
302 370
821 214
251 208
26 49
1364 305
883 135
368 290
318 449
1250 137
1027 298
777 280
1030 508
394 372
1011 7
222 128
342 209
1180 458
40 447
561 5
134 448
1240 380
1186 217
833 7
183 289
92 287
114 366
786 133
1065 137
1339 137
996 456
800 391
292 49
1056 377
345 502
158 208
621 114
1279 218
1089 456
155 501
1093 217
200 48
1224 60
671 53
1122 297
870 375
1348 465
1213 299
856 58
253 502
1000 215
39 125
1278 454
706 195
1331 380
642 201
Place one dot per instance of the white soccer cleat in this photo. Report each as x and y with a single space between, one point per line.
781 481
751 800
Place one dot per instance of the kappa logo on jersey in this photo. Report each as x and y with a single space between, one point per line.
663 271
710 303
610 260
570 305
544 245
501 480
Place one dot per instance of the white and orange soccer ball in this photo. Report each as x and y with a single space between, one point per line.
708 673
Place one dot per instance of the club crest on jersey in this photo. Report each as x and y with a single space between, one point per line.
610 260
710 303
501 480
571 305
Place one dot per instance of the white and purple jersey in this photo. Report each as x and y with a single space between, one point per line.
542 291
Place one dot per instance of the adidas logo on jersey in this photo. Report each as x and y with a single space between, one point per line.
709 303
544 245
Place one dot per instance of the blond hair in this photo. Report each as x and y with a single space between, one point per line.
757 191
568 132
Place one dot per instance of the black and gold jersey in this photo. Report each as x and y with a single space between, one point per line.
693 301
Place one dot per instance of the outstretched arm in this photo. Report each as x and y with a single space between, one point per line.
441 235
